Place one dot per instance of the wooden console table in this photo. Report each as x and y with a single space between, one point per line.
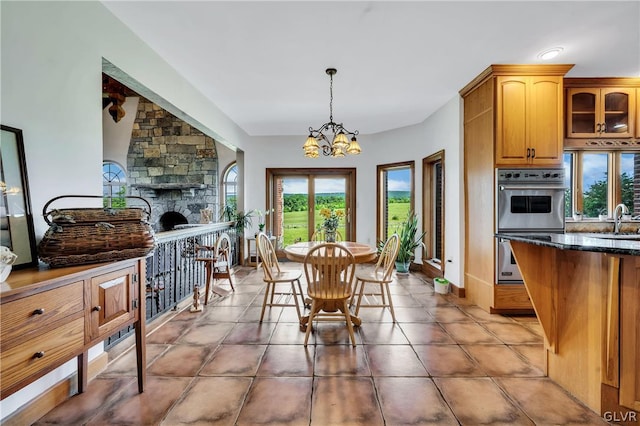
49 316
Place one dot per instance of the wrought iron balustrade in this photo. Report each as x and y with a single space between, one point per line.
172 272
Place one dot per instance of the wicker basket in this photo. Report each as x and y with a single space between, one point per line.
91 235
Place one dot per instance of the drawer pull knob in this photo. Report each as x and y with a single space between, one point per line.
97 308
38 311
39 354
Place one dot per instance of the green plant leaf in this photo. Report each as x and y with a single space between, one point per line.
410 239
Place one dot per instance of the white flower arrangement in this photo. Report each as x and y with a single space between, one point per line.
7 258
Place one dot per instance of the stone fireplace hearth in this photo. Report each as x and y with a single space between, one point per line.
171 164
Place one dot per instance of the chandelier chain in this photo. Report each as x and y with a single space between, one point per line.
331 98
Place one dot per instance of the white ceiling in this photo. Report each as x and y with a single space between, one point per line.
263 63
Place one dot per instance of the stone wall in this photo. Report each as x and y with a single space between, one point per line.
171 164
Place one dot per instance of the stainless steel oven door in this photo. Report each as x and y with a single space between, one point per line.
526 208
507 271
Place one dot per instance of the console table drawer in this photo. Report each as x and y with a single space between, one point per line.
21 317
42 353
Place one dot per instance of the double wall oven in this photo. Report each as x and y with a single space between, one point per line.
528 201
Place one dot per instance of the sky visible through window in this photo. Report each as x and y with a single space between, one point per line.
399 180
595 165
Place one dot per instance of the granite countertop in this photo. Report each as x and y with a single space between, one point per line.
577 241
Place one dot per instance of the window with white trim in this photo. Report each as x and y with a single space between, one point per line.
114 184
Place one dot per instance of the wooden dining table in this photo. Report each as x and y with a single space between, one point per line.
362 253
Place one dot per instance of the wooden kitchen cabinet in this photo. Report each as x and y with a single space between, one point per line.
49 316
629 396
529 120
509 111
638 113
607 112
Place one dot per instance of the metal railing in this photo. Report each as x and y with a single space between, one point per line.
172 271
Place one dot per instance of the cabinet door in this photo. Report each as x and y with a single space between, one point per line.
113 302
545 120
582 113
601 113
617 116
630 333
511 124
529 120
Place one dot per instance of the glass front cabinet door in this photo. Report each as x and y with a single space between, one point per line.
600 113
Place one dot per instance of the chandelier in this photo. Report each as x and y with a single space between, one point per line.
317 140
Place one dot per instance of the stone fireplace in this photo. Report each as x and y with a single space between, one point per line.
173 165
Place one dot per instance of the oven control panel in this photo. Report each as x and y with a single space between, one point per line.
530 176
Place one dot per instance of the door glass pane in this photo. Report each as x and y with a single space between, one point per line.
616 114
292 199
594 184
630 178
330 193
397 197
437 230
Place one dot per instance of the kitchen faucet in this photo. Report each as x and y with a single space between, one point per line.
620 210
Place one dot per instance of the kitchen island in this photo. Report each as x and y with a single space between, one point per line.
586 294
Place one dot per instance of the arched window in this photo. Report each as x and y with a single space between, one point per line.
114 184
230 187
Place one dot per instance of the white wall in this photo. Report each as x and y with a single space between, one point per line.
51 84
442 130
116 137
51 88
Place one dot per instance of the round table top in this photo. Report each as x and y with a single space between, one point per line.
361 252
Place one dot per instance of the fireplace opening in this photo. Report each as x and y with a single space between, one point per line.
169 220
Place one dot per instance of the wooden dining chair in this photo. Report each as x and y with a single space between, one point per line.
273 276
380 276
329 269
217 263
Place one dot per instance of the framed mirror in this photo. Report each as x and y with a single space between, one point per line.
16 217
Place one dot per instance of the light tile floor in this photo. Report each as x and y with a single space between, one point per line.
444 362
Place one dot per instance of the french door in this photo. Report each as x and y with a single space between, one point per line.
297 197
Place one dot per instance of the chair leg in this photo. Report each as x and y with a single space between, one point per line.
362 286
384 297
301 293
230 280
295 298
393 314
347 317
264 302
354 292
314 307
208 270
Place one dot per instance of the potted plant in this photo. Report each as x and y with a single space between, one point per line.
228 213
243 221
410 240
602 214
262 217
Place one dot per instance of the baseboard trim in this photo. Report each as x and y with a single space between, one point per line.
457 291
54 396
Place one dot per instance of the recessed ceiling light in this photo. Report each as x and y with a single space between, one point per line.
550 53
